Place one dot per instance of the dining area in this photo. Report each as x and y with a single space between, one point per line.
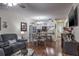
41 38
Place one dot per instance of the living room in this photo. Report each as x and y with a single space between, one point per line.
35 29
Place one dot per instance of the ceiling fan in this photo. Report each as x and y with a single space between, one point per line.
22 5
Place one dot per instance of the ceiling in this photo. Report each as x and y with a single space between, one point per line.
54 10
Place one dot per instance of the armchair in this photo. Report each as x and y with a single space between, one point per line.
11 44
2 52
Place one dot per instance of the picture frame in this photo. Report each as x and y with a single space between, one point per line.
5 24
23 26
44 28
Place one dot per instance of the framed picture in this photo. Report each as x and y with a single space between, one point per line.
44 28
0 23
23 26
5 24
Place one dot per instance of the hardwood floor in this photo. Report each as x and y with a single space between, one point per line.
47 49
50 49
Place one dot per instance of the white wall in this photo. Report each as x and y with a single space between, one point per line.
76 33
13 20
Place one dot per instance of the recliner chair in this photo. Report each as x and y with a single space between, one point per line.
2 52
11 44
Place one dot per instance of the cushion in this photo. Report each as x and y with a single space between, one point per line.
12 41
7 37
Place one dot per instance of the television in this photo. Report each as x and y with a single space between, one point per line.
76 16
73 20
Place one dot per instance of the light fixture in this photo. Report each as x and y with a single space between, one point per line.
40 17
11 4
40 22
22 33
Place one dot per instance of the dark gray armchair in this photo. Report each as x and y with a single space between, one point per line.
11 44
2 52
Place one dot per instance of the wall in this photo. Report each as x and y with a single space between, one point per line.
13 20
76 33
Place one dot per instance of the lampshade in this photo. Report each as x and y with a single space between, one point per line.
22 32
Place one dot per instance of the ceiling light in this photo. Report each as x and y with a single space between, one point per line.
40 22
40 17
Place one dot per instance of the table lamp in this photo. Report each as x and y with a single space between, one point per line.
22 33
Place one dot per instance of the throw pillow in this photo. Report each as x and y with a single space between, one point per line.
12 41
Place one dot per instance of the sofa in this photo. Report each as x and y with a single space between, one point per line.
2 52
11 44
